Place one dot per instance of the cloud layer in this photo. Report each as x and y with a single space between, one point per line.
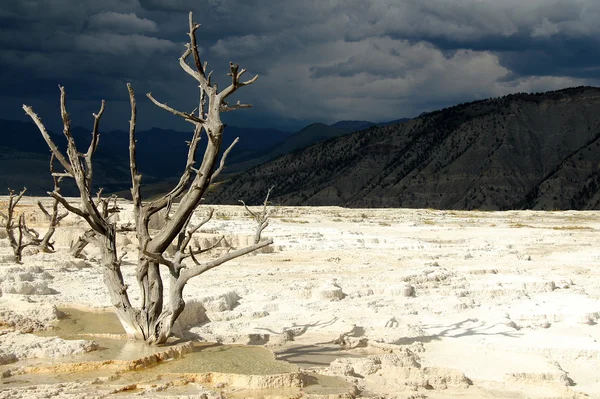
341 59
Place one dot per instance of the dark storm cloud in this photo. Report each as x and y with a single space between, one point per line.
318 60
121 22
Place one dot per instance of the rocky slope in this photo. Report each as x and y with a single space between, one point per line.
305 137
535 151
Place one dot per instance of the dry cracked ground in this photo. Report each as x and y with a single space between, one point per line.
390 303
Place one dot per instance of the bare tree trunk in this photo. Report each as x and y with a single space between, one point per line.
113 279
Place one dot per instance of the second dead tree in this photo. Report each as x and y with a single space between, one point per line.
19 235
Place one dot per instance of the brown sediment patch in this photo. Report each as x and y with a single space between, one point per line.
171 353
80 321
142 374
167 363
286 380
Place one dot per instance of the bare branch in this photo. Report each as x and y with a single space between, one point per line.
250 81
228 108
63 201
199 251
64 114
158 258
234 72
111 210
235 81
259 230
193 45
223 159
189 117
61 158
31 235
72 153
136 178
266 201
60 175
103 205
254 215
43 209
93 145
261 219
185 178
194 258
196 271
53 221
184 242
95 134
21 194
206 219
200 73
99 196
184 65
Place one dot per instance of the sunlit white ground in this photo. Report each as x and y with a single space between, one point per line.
509 299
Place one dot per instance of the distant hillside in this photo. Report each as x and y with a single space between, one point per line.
24 155
24 158
352 126
311 134
533 151
170 147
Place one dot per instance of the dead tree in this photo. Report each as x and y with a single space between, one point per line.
262 218
19 235
155 315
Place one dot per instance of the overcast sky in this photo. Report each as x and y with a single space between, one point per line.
318 60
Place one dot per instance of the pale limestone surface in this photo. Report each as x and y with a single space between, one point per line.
502 304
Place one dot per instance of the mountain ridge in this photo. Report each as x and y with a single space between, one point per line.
24 154
534 151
